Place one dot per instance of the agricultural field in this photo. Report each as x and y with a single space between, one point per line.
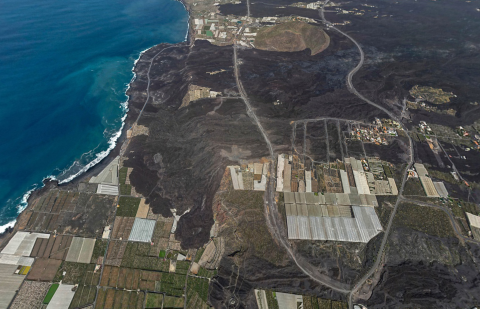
173 284
98 250
271 299
414 187
84 295
173 302
150 281
44 269
122 227
125 189
154 300
182 267
331 304
122 175
115 253
310 302
128 206
424 219
77 273
198 286
202 272
66 212
51 291
111 298
138 255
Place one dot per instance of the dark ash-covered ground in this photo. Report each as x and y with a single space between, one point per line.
180 164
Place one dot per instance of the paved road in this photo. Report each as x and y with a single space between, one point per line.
148 84
352 89
274 221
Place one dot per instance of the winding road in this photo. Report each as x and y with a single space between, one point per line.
352 89
274 221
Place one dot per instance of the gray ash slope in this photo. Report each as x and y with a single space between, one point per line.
180 163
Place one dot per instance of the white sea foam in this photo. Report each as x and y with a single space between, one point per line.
10 224
20 207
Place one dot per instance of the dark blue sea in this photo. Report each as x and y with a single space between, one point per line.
64 70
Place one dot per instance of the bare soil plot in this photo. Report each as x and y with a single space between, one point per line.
122 227
100 299
23 219
111 298
44 269
174 244
143 208
115 253
131 279
53 247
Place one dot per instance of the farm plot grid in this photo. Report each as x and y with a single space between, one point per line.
66 212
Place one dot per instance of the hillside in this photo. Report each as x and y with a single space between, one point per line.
291 37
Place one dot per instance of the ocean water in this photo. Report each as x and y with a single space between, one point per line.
65 67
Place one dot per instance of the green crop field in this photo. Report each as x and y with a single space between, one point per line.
84 295
137 256
50 293
424 219
154 300
173 284
98 250
182 267
125 189
173 302
128 206
200 286
122 175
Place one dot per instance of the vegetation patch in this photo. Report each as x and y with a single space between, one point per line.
199 286
182 267
122 175
84 295
128 206
430 94
173 284
413 187
292 36
154 300
173 302
77 273
98 250
424 219
137 255
50 293
199 254
271 299
203 272
125 189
